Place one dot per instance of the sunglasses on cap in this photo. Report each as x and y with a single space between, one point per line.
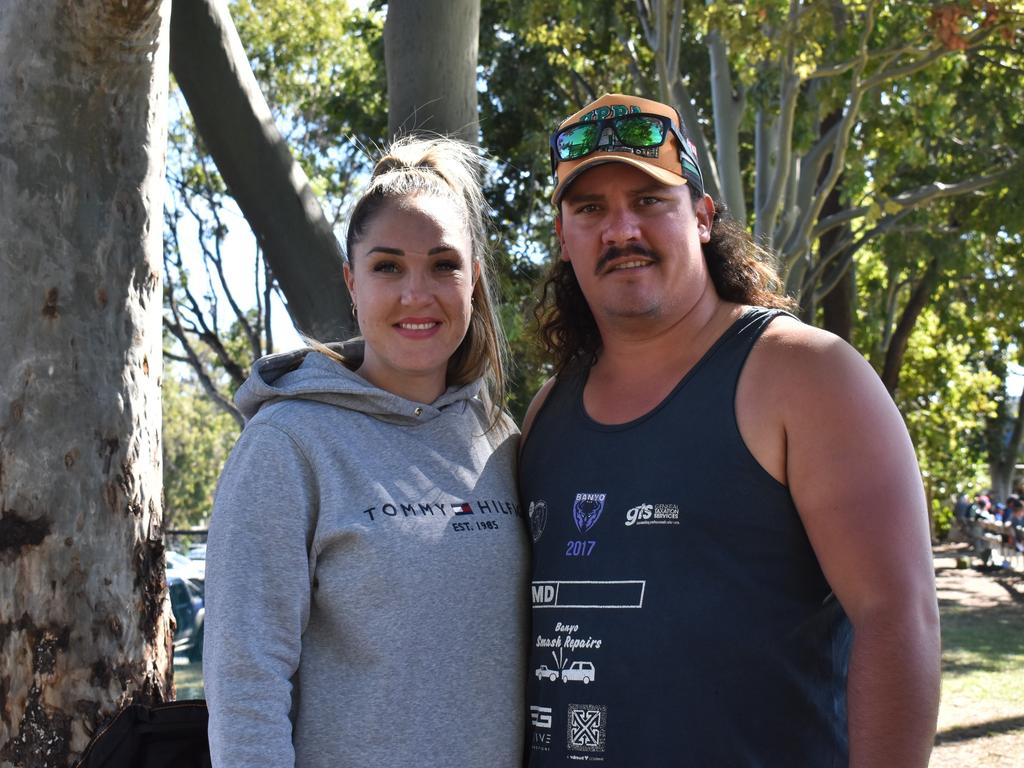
635 131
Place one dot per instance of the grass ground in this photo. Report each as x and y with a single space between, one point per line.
188 679
981 719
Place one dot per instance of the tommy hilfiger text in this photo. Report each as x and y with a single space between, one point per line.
443 509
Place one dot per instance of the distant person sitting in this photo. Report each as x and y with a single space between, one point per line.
1015 521
999 513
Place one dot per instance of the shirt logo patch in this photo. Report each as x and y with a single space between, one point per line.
639 513
653 514
586 732
538 513
587 509
540 717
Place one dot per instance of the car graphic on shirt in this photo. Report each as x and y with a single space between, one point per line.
543 671
579 671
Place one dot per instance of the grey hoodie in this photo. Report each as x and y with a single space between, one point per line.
366 578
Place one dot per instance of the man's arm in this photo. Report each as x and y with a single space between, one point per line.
853 475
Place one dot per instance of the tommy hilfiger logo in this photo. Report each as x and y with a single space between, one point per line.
587 509
443 509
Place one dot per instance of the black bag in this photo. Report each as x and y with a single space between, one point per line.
171 735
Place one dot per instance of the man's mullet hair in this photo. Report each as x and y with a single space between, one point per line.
742 272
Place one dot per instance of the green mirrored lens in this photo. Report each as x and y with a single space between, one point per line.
576 142
640 131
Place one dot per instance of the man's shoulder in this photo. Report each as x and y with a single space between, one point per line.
790 345
798 367
793 363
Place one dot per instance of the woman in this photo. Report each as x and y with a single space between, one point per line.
366 577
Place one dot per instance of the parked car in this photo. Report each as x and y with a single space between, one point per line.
197 555
189 612
186 568
544 671
579 670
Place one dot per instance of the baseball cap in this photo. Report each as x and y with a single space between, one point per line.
643 133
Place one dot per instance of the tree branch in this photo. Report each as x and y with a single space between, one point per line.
846 247
897 348
799 242
271 189
917 197
783 136
674 36
643 11
728 106
927 56
633 62
204 378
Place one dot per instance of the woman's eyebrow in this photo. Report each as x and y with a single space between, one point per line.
385 249
399 252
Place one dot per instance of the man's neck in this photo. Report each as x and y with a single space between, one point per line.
632 341
639 366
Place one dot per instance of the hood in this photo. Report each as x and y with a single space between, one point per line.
306 374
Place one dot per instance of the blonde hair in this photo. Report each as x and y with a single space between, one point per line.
449 168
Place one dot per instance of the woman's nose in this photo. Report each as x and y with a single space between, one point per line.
415 288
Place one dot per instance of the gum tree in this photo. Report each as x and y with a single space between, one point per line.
84 623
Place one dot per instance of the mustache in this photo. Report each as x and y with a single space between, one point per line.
618 251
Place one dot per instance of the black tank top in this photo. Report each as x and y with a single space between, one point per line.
680 617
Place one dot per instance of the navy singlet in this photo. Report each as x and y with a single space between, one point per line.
680 617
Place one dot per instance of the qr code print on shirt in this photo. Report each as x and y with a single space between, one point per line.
586 730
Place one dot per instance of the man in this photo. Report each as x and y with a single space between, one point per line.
721 575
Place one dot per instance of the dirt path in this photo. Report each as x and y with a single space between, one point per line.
981 719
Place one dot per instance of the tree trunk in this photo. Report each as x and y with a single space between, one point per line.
430 48
838 304
271 189
1005 447
838 307
901 336
84 620
1002 480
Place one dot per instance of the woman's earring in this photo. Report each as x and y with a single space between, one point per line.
355 312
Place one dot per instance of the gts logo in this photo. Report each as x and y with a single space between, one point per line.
639 512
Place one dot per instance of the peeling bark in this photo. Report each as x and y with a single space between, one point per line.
17 533
84 620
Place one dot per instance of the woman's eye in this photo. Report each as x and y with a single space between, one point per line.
588 208
385 266
446 266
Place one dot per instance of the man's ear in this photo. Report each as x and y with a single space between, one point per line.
704 212
564 256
